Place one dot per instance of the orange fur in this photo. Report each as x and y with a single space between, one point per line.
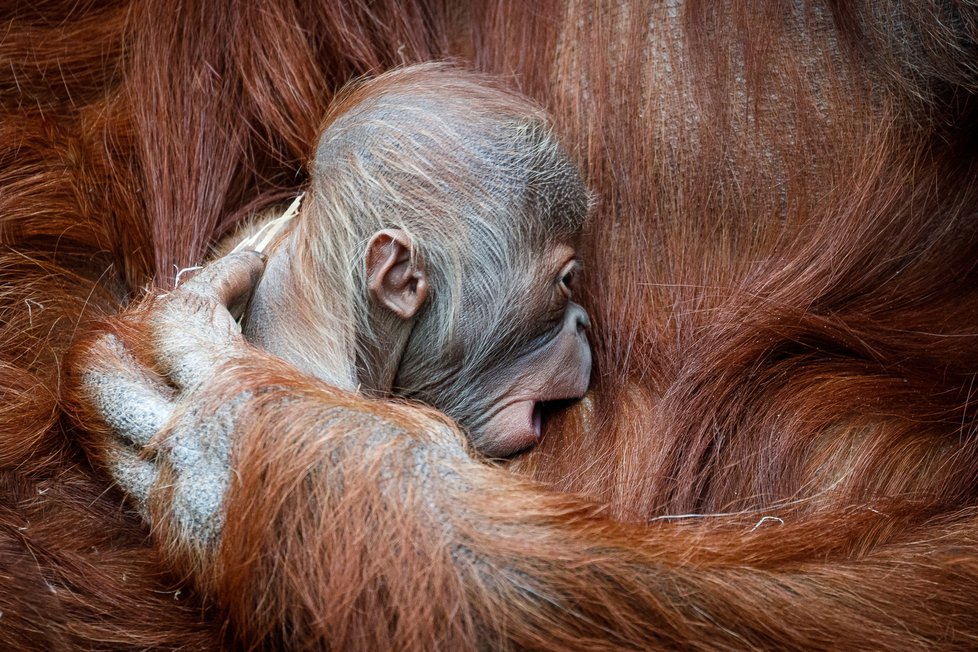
780 272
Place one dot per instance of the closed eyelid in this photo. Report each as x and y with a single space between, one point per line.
571 268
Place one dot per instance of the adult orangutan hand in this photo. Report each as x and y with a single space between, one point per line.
162 437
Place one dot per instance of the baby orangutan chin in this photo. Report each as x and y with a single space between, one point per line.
433 257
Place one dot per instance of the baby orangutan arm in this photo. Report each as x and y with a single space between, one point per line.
315 518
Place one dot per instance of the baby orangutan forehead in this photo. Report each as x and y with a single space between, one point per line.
556 196
415 157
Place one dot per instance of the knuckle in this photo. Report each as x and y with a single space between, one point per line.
106 344
182 312
105 352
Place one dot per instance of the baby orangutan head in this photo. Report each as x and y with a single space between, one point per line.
435 256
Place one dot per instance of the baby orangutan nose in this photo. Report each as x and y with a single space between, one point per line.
581 322
572 377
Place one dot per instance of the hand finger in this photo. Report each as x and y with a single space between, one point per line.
193 330
134 475
190 341
229 280
132 403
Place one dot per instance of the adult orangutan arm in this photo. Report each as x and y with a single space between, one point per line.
317 518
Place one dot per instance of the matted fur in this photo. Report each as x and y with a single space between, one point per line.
781 275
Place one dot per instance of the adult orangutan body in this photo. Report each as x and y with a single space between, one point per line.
783 285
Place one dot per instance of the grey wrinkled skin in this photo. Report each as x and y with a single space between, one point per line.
195 447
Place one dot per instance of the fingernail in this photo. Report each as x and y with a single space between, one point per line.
264 257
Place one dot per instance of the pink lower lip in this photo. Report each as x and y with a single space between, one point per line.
515 428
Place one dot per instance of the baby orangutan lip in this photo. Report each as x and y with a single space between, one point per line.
514 428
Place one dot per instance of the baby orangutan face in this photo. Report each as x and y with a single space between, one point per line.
553 365
542 356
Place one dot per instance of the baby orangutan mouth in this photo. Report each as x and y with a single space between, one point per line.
518 426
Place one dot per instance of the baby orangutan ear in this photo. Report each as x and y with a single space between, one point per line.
393 278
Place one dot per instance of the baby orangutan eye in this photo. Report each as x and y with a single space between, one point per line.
568 278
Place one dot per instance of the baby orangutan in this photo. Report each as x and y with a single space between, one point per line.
433 257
